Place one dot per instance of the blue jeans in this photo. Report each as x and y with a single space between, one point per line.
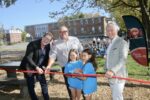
31 84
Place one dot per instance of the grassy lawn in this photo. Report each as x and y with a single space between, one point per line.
134 70
137 71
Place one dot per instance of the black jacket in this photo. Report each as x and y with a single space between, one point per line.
31 58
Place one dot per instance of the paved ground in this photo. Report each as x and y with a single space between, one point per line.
12 52
15 47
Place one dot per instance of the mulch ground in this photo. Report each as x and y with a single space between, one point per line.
57 89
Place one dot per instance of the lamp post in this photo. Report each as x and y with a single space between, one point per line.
94 40
98 43
104 43
94 45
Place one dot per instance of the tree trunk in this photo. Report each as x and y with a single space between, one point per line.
145 19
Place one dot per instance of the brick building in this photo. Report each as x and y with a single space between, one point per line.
13 36
84 27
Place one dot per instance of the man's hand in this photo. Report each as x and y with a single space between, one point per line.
39 70
47 70
50 63
109 74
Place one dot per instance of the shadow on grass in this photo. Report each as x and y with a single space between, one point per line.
7 95
107 84
58 98
15 96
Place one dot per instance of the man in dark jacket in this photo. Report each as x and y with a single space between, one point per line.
36 57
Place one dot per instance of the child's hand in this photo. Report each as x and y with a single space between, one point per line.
78 71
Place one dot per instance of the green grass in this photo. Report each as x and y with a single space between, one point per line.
56 66
137 71
134 70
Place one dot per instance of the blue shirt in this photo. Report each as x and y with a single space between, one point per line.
69 68
90 84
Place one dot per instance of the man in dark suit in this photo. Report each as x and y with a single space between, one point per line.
36 57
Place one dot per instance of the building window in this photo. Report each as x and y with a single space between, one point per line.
55 25
99 19
82 29
86 21
68 23
81 22
37 35
74 23
75 32
92 20
93 29
100 29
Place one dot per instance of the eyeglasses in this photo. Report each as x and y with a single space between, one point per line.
63 31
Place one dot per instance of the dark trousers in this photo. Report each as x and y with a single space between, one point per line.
31 84
67 85
51 76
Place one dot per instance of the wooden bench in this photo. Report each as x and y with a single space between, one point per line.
10 66
13 81
15 84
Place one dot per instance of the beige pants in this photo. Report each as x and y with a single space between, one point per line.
117 90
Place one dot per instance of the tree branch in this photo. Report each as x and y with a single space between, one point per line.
126 4
79 8
75 5
122 3
112 7
116 3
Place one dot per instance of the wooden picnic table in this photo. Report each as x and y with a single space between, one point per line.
11 66
15 65
12 79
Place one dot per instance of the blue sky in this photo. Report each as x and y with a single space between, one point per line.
28 12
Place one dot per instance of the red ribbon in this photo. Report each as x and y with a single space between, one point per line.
80 75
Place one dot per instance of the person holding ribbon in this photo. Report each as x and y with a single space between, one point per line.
116 56
35 58
60 51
